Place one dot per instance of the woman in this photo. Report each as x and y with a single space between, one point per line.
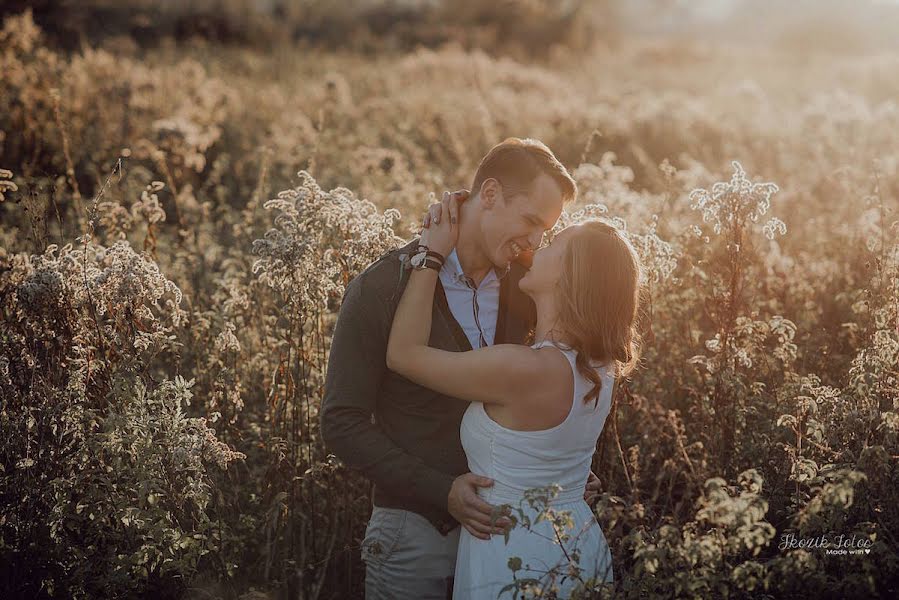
536 412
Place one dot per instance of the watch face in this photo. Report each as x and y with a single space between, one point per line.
418 260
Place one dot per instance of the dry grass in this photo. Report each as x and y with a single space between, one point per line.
166 217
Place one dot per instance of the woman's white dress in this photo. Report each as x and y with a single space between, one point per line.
521 460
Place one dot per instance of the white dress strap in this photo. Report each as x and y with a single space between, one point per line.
542 343
567 351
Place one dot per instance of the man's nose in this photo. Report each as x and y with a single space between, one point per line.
534 239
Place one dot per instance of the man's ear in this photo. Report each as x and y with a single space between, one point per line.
491 192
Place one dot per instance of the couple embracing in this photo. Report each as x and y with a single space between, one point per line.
458 379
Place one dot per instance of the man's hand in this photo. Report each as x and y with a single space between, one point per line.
470 510
591 492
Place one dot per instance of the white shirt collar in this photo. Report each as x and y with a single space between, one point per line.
454 267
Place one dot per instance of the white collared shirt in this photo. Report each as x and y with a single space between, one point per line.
476 310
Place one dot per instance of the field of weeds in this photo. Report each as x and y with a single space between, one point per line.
171 216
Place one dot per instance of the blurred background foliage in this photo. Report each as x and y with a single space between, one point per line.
186 188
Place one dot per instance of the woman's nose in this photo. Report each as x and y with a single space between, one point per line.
534 239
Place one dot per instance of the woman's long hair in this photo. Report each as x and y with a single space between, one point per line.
599 296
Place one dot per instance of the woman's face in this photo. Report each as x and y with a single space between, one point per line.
546 268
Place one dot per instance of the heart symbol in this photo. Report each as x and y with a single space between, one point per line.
867 551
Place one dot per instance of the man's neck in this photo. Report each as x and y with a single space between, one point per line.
472 259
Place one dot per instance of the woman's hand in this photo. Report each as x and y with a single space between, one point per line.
440 225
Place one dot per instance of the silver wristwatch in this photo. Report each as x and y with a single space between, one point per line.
421 260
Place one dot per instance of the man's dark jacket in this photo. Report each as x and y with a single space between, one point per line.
411 448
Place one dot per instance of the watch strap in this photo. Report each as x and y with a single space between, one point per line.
428 263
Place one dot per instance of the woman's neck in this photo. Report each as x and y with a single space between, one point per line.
547 327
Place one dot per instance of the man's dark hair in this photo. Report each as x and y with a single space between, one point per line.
516 162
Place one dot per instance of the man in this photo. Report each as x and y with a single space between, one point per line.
404 437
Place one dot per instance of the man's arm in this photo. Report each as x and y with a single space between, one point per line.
355 367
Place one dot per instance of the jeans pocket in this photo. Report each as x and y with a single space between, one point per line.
382 534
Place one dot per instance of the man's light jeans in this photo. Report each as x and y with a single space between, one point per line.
406 557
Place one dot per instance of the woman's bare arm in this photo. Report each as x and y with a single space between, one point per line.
500 374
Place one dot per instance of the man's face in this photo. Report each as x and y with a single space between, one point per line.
514 221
